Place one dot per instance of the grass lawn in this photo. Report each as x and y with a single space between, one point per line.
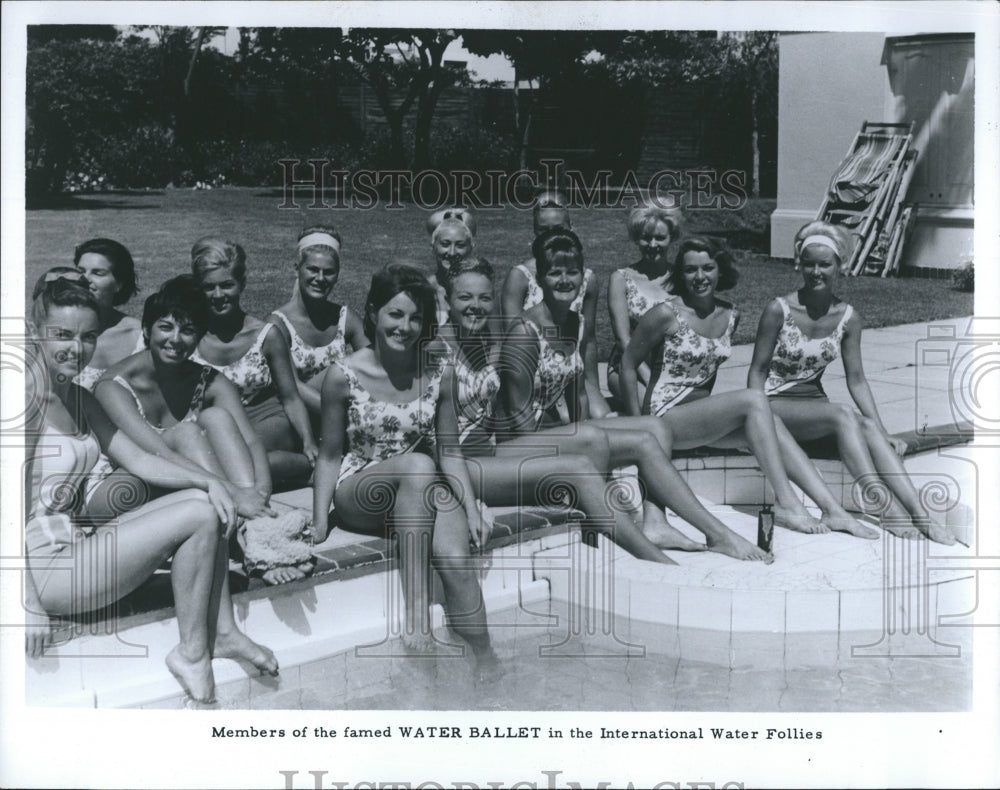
159 227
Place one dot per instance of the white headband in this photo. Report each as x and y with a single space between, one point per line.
317 240
823 241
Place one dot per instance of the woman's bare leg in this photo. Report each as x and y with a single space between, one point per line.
183 524
463 597
734 419
394 497
225 638
516 478
808 419
190 440
804 474
592 443
289 467
641 441
228 446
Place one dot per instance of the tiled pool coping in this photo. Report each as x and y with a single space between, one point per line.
730 613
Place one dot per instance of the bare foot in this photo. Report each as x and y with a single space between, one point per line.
420 644
936 532
283 574
734 546
665 536
844 523
238 645
195 677
798 521
488 669
901 527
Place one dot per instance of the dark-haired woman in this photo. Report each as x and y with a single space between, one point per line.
252 354
190 524
189 414
110 270
694 332
523 470
542 375
389 459
520 291
317 330
801 333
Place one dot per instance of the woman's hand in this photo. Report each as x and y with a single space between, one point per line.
224 505
899 446
250 503
480 522
37 633
311 451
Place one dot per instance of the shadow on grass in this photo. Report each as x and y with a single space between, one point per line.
107 200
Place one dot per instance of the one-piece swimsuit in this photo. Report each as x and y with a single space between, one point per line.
378 430
798 361
310 360
688 365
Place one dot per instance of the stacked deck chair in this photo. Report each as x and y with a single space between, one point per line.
866 196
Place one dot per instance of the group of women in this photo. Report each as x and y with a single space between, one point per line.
413 418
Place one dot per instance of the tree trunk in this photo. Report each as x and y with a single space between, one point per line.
755 143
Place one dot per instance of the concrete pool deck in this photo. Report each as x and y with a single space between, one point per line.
824 597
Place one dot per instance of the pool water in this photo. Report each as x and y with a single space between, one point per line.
533 679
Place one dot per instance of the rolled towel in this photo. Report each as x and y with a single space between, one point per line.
277 542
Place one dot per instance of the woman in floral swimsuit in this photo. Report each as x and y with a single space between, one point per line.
521 291
634 290
541 375
71 567
522 470
316 330
801 333
388 461
185 412
252 354
694 331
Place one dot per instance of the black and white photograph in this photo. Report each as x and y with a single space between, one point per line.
500 395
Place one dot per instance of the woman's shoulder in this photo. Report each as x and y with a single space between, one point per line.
126 368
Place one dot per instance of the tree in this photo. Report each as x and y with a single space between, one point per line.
410 62
745 62
543 58
727 64
179 48
78 91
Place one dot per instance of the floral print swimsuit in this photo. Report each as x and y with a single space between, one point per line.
250 373
310 360
555 370
476 405
640 298
689 364
378 430
798 362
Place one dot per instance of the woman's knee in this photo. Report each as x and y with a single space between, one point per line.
847 418
755 400
184 435
216 417
419 472
594 444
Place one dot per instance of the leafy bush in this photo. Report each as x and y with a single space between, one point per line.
964 279
148 157
455 147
